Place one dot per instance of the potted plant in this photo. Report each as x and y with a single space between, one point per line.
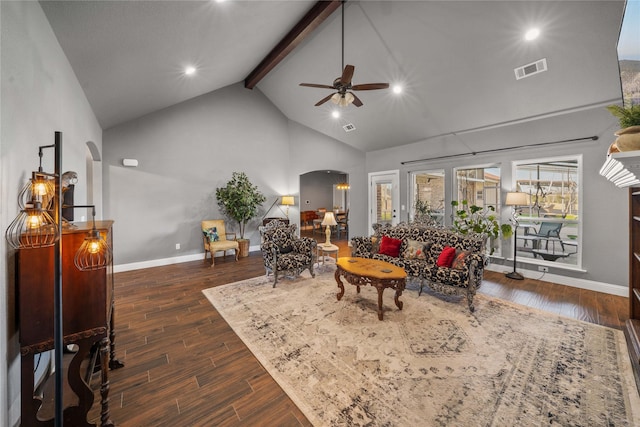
239 200
628 137
475 219
421 208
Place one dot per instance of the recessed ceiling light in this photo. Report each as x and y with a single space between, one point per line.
335 114
532 34
190 70
397 89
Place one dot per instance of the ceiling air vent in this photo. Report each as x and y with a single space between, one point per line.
531 69
349 127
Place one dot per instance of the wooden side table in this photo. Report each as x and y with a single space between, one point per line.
322 250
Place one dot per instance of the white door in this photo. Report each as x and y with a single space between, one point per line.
384 197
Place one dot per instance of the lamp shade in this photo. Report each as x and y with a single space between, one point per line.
94 253
329 219
516 199
32 228
288 200
342 100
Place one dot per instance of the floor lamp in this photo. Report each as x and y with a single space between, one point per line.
38 225
515 199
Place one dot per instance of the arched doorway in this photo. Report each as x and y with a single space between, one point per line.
322 190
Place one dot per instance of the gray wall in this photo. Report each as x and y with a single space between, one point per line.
604 207
188 150
40 95
317 188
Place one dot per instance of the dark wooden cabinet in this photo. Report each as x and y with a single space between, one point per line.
87 307
632 330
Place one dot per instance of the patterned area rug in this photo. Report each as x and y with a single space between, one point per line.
431 364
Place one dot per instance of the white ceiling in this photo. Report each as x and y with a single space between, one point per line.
455 59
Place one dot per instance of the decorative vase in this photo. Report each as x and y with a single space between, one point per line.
244 247
628 139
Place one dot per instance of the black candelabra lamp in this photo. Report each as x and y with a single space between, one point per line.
38 225
515 199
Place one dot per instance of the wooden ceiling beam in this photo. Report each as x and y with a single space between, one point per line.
312 20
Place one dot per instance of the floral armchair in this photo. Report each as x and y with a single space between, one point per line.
283 252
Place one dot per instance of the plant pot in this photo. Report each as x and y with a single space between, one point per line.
628 139
244 247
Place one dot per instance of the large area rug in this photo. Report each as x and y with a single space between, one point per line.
431 364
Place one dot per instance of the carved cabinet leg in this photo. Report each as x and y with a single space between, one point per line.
104 387
114 363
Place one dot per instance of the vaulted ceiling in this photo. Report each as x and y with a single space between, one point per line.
454 59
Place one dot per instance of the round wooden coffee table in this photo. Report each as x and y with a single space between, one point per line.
379 274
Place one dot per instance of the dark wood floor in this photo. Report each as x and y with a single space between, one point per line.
186 367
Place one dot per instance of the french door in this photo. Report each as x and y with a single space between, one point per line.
384 197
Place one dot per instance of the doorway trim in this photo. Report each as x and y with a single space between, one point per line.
394 177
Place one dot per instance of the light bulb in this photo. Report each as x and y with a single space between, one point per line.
94 247
39 188
34 221
532 34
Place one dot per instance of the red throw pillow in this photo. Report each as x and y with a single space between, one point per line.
445 259
390 246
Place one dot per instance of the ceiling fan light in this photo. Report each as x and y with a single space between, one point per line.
346 99
336 98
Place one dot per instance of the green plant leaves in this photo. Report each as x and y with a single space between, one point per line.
239 200
476 219
627 117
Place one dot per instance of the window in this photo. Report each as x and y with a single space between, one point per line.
549 225
480 186
426 191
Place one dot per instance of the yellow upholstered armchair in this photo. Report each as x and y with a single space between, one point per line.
216 239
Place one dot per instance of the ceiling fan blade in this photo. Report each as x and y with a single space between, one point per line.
316 85
323 100
347 74
356 100
371 86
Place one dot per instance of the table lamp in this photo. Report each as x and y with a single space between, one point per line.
328 221
515 199
288 201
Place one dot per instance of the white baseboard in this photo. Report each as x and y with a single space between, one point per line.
590 285
166 261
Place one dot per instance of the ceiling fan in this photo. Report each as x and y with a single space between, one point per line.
342 85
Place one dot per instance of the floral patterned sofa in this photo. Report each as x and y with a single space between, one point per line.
283 252
421 255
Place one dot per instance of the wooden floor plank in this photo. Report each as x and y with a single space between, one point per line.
186 366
